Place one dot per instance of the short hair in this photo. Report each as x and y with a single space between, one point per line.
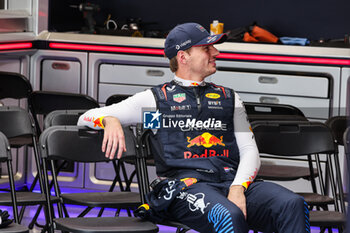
174 65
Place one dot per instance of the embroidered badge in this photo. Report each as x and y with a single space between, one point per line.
179 97
212 95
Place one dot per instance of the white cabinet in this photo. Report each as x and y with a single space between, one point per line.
345 92
129 79
62 71
125 74
313 89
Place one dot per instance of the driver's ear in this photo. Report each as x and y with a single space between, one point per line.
182 57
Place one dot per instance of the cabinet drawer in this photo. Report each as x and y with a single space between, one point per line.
132 74
283 84
311 107
106 90
60 75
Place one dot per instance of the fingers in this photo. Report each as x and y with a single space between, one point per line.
113 142
236 195
244 211
121 147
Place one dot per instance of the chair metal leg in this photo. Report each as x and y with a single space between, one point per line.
339 183
312 174
49 212
85 212
12 187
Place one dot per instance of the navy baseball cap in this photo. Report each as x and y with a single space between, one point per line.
187 35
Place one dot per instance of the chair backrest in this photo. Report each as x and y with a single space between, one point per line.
79 144
266 111
44 102
293 138
62 117
14 85
5 152
116 99
338 125
15 122
5 156
346 140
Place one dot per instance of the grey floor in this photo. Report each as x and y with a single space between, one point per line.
74 211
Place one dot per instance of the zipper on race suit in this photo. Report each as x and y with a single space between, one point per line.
198 100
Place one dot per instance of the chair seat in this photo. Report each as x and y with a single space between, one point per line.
25 198
327 218
284 173
14 228
105 225
316 199
103 199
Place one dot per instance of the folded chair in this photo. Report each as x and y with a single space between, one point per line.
6 157
300 138
81 144
18 127
71 117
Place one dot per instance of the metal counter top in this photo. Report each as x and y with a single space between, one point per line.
312 51
245 48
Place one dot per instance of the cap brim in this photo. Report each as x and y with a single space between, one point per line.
213 39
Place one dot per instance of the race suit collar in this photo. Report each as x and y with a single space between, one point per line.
188 83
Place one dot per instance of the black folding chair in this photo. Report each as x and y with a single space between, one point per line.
6 157
14 86
116 99
268 171
16 123
42 103
70 117
346 140
113 99
63 117
148 148
338 125
300 138
266 111
84 145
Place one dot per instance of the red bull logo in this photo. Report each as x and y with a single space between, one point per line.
98 122
207 153
206 139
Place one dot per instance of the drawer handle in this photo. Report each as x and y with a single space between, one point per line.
269 80
269 100
60 66
156 73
